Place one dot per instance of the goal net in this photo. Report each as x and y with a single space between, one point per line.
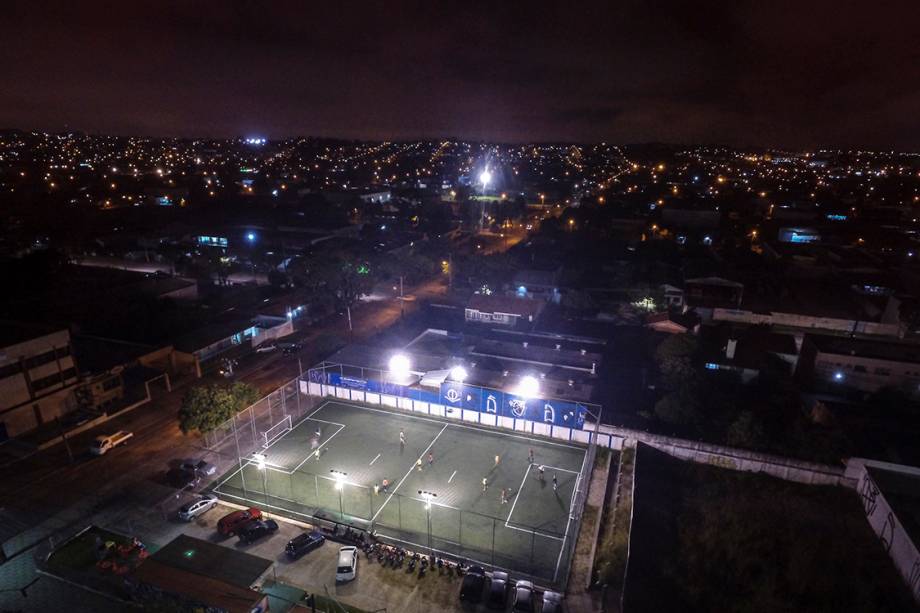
276 431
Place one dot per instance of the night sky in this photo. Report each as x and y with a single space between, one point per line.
796 74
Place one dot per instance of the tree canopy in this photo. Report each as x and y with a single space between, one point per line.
205 407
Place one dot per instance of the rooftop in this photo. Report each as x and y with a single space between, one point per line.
889 350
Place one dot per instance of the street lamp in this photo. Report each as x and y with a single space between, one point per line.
485 177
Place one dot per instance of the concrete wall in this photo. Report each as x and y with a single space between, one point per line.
886 524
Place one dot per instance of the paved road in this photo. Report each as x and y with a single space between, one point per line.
46 482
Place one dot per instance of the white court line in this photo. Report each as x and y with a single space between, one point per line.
313 453
374 460
557 468
411 468
453 474
516 494
539 441
325 421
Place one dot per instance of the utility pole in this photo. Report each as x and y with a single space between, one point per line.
402 302
348 310
450 271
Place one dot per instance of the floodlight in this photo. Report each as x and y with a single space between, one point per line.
260 460
458 373
528 387
251 236
485 177
400 365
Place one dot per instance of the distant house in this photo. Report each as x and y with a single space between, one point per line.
748 351
673 323
541 284
502 310
860 364
713 292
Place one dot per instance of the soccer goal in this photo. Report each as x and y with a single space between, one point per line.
277 431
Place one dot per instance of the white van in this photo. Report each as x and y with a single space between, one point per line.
347 564
104 443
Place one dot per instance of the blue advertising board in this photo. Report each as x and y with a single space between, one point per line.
472 398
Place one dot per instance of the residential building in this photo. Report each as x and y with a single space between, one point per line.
860 364
502 310
37 376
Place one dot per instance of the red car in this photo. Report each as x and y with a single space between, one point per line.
230 523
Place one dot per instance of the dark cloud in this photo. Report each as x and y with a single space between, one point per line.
774 73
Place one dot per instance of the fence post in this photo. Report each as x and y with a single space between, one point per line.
493 542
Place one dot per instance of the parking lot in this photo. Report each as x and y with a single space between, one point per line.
375 587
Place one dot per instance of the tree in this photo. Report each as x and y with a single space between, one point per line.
205 407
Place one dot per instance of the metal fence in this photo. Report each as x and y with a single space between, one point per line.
524 550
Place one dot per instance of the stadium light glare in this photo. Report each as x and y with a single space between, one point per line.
485 177
260 460
458 373
528 387
400 366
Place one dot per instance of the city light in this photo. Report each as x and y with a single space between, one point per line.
250 236
458 373
528 387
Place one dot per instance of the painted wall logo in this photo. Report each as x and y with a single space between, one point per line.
549 413
518 407
452 395
491 404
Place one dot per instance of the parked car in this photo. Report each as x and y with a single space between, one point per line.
523 597
266 348
199 506
498 590
181 479
199 467
552 602
230 522
347 565
304 543
290 348
473 583
255 529
106 442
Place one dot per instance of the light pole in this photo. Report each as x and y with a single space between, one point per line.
260 463
339 486
427 496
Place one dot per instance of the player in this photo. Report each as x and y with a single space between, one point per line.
402 438
498 459
540 475
555 482
530 455
485 483
386 486
376 489
430 458
418 464
504 495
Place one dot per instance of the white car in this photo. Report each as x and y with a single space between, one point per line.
347 564
199 506
105 442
